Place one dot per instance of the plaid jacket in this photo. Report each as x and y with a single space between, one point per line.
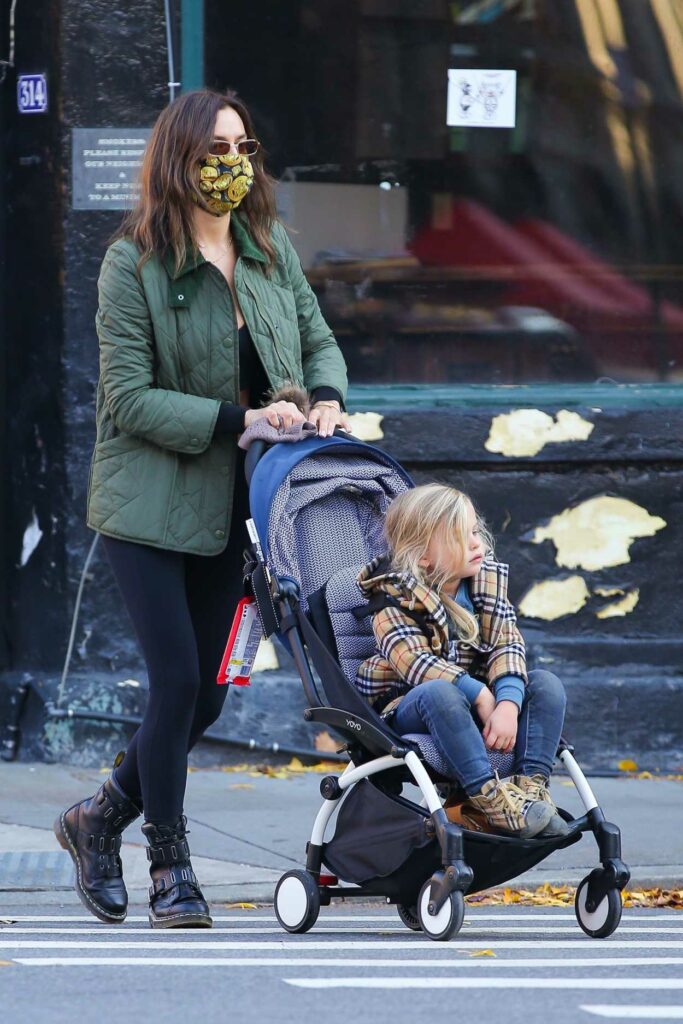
411 652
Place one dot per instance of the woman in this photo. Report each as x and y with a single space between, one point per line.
203 307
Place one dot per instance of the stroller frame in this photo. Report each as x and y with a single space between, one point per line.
367 732
469 861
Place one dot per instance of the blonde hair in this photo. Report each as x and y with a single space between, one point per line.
413 518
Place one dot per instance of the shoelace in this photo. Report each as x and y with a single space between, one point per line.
512 795
536 792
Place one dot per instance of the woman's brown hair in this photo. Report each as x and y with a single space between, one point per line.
161 222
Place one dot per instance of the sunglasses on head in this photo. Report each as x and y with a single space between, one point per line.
245 147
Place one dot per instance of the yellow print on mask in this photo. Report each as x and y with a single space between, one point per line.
225 181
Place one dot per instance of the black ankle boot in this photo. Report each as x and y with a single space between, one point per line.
175 899
90 832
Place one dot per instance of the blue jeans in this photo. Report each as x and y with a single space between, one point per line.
439 708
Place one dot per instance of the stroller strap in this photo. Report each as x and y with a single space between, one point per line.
379 601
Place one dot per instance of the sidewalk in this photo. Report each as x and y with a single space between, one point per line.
247 829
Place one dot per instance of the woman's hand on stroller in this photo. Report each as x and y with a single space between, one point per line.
328 415
280 415
500 732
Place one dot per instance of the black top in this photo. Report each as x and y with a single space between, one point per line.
254 380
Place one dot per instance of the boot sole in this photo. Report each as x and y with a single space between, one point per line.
65 841
180 921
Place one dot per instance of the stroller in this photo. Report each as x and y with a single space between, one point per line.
317 509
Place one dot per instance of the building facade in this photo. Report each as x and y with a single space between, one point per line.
487 198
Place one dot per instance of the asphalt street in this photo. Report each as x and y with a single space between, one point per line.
508 963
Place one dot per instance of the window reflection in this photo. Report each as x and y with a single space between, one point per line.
548 252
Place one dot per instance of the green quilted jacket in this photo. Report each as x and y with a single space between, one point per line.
168 358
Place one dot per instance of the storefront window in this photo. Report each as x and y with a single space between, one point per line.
550 251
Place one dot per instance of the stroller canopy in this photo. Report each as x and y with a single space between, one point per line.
319 506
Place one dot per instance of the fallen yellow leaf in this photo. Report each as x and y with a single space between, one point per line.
562 896
242 785
326 743
627 765
240 906
479 952
291 770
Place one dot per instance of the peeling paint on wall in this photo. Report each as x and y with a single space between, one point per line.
598 533
527 431
623 606
608 591
31 539
551 599
367 426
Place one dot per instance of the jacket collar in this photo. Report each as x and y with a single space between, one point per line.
488 590
404 587
489 597
246 247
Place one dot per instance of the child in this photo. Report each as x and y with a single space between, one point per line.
450 650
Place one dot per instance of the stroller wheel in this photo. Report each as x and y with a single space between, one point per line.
408 915
602 921
297 901
448 921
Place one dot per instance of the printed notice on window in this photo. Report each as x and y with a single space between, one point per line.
481 99
106 166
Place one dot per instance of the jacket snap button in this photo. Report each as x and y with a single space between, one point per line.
181 298
220 534
194 442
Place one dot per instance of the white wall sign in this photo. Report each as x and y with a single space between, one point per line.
105 167
481 99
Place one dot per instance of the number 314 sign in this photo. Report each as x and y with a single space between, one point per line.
32 94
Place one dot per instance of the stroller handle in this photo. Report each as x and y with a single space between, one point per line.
257 449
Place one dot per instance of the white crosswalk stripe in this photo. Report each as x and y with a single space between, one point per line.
622 984
393 962
331 944
620 1012
669 917
389 927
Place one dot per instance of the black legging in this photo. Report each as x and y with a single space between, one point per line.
182 607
